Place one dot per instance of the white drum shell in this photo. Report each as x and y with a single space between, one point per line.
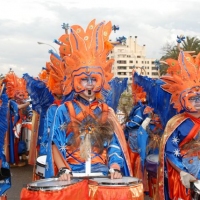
26 136
40 166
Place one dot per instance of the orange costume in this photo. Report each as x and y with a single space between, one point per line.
16 91
183 83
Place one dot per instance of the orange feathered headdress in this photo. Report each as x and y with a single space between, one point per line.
15 85
65 48
44 74
56 75
183 80
89 50
138 92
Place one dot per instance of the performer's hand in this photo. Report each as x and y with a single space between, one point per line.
145 123
186 178
64 174
115 174
65 177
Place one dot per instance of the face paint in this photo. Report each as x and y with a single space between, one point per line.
88 83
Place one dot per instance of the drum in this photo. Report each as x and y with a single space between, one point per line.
52 188
26 134
151 168
3 197
40 166
123 189
195 190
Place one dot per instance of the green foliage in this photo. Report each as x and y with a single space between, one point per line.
126 103
170 50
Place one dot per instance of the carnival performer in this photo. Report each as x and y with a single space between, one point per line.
16 91
179 148
134 121
54 85
5 179
86 126
41 100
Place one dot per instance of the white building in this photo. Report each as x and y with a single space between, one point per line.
128 56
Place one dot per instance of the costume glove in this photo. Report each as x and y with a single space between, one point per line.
145 123
186 178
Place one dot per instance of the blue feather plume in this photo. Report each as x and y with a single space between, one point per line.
40 95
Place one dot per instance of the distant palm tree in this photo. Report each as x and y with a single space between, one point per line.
170 50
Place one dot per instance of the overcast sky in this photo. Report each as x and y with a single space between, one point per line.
25 22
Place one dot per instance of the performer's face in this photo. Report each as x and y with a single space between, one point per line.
88 83
195 101
19 97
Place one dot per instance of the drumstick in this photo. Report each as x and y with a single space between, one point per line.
3 85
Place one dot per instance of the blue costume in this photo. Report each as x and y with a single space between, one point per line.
100 162
5 183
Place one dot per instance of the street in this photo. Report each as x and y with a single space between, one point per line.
20 176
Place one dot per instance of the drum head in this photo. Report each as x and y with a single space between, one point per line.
41 160
124 181
152 158
50 184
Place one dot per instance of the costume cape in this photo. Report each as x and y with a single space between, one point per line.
179 130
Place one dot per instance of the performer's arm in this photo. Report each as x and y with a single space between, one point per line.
24 105
59 128
57 157
115 159
64 172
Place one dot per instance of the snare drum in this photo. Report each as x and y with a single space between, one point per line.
40 166
195 190
151 168
51 188
123 189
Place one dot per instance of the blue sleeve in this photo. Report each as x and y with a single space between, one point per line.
47 125
59 128
115 154
3 121
14 111
172 148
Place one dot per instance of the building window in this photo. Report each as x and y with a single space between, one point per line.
136 61
121 67
130 61
152 63
138 56
154 68
154 73
121 61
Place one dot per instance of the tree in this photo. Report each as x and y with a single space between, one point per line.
126 104
170 50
